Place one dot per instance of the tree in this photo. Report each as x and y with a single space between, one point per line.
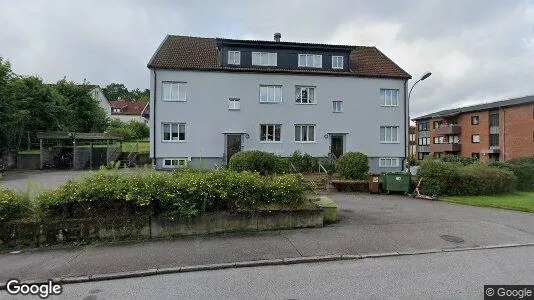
115 91
5 109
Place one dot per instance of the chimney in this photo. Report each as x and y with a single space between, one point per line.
277 37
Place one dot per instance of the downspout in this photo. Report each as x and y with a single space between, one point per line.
504 134
406 124
153 109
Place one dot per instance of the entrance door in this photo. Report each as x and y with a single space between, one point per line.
336 145
233 145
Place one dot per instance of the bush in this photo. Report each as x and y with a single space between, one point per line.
445 178
254 161
459 159
13 205
353 165
304 163
283 166
130 131
351 185
182 194
523 168
327 164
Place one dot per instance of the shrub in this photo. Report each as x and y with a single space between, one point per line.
179 194
327 164
523 168
13 205
283 166
453 179
351 185
254 161
458 159
353 165
130 131
304 163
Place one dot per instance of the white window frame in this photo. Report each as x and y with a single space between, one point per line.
336 62
270 90
391 139
178 95
116 110
310 60
298 92
265 59
387 94
304 130
388 162
473 138
234 104
234 57
340 106
174 163
171 140
266 138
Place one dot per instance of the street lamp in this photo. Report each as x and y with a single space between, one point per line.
425 76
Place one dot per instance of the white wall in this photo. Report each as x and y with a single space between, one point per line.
207 116
97 94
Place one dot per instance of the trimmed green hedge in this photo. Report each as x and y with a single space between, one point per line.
13 205
179 194
523 168
351 185
453 179
353 165
255 161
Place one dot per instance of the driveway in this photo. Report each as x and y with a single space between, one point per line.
369 224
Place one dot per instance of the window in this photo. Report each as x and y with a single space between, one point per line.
174 91
305 95
389 134
437 124
475 120
412 137
423 141
116 110
304 133
337 62
337 106
454 139
173 132
389 97
387 162
475 155
421 155
234 57
264 59
270 132
494 140
233 104
423 126
475 138
494 119
174 162
310 60
439 140
270 93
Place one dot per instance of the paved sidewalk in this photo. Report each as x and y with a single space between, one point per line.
369 224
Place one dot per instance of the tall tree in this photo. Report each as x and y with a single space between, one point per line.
115 91
5 109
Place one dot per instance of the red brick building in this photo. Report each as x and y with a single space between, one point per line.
498 131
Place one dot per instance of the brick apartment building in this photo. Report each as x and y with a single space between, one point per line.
496 131
412 142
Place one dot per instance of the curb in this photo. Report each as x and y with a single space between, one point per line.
258 263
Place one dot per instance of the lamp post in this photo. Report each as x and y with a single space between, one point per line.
425 76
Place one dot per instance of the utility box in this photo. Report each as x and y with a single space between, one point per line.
396 182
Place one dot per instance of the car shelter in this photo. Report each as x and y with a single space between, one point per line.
78 150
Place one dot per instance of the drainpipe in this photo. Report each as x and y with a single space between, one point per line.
154 120
504 134
406 125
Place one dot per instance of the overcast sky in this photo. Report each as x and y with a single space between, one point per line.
477 50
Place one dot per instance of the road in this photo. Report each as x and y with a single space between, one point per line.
447 275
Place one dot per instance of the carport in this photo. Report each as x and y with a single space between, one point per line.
78 150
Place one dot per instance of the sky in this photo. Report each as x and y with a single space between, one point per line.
478 50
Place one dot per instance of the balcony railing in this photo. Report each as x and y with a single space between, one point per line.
448 130
446 147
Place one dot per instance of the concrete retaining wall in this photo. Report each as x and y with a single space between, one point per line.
29 161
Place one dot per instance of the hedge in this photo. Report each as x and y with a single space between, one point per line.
444 178
353 165
523 168
351 185
256 161
14 205
179 194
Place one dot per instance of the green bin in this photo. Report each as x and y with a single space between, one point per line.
396 182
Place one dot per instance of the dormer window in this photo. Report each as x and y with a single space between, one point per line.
310 60
337 62
264 59
234 57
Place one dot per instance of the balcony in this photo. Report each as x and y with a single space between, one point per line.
448 130
446 147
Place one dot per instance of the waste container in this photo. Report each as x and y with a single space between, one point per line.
396 182
374 183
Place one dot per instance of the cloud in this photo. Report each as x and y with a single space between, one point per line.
477 50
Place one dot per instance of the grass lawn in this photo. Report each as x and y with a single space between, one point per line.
129 146
522 201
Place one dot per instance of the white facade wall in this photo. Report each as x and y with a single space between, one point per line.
207 116
97 94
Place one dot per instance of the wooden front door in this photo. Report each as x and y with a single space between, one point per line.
233 145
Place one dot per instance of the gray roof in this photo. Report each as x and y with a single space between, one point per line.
479 107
